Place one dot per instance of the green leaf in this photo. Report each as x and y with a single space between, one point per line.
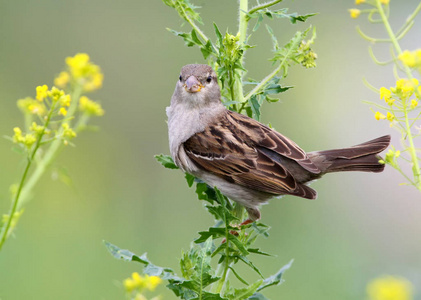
166 161
275 279
213 232
190 179
238 276
185 9
207 49
246 292
150 269
257 296
250 264
255 106
257 251
218 34
194 37
238 244
205 192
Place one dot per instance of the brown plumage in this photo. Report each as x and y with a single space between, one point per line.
248 161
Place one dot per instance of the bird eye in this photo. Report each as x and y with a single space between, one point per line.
181 78
209 79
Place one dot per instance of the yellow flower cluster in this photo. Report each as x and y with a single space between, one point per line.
90 107
29 105
27 140
136 285
83 71
67 131
358 2
411 59
390 288
137 282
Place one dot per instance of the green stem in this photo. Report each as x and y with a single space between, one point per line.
16 204
263 6
242 30
416 167
193 25
221 281
51 153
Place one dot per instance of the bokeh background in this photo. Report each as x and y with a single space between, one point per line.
360 227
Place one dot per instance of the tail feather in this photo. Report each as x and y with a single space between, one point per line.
362 157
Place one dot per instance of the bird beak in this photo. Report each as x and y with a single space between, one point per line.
192 85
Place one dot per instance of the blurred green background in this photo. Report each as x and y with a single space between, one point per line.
360 227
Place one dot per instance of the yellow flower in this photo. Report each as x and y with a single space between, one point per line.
17 138
405 87
385 1
77 64
90 107
414 103
386 95
62 111
28 140
55 94
397 153
94 83
390 116
408 58
38 129
65 100
359 1
390 288
67 131
153 282
31 106
379 115
87 73
62 79
41 92
354 12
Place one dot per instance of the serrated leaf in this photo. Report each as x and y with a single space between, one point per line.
275 279
212 232
166 161
246 292
205 192
150 269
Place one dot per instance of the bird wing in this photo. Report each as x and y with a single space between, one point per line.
233 148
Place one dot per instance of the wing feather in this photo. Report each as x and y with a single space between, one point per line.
230 149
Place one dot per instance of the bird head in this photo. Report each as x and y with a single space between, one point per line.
198 85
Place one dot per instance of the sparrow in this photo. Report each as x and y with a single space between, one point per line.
246 160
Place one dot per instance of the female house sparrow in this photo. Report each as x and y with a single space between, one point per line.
246 160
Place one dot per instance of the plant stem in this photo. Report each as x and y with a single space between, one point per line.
221 281
193 25
242 30
15 204
416 167
263 6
